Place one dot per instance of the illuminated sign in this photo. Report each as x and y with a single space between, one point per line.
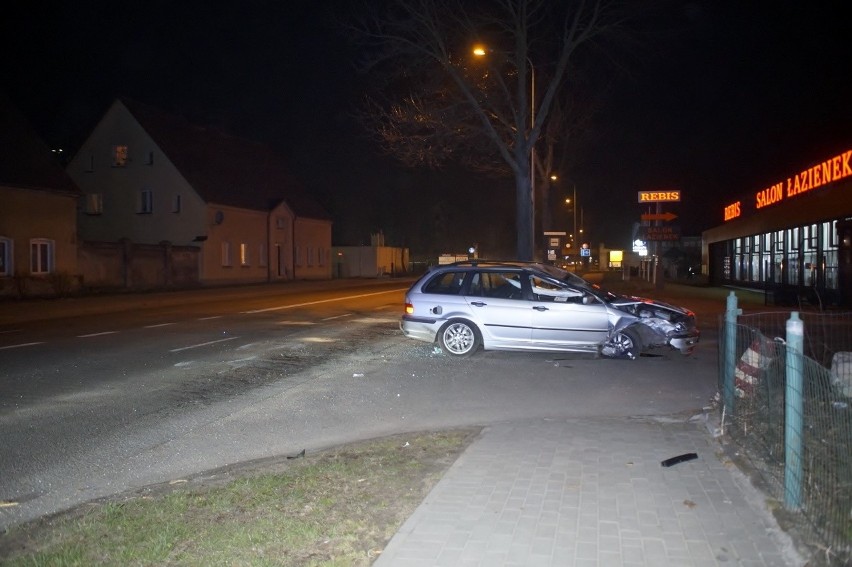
821 174
732 211
828 171
659 196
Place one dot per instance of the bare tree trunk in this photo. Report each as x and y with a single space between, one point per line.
525 216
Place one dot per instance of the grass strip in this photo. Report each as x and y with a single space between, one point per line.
339 507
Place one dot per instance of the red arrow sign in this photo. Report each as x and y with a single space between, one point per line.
659 216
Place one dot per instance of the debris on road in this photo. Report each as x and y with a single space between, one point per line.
679 459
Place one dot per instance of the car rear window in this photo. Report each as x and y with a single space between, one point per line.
448 283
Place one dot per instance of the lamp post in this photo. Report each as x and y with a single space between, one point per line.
532 149
573 200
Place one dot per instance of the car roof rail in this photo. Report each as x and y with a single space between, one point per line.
482 262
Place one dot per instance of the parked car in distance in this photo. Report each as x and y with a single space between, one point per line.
537 307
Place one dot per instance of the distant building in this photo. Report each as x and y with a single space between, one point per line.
151 178
38 212
374 261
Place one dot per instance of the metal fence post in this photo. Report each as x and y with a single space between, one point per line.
793 413
730 361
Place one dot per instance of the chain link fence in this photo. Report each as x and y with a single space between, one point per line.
793 420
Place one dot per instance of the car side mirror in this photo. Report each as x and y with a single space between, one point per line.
588 299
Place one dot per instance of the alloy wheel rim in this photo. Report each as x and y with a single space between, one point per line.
458 338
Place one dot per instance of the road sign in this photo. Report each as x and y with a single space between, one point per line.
659 217
659 196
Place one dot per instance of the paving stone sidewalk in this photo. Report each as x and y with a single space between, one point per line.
592 492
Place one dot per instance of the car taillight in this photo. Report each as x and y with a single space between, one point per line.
409 309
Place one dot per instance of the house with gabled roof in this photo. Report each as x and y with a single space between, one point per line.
149 177
38 213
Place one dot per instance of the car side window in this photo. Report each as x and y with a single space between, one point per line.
544 290
501 285
448 283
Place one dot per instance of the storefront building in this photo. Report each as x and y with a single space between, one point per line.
792 239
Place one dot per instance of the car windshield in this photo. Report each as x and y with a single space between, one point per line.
573 279
564 275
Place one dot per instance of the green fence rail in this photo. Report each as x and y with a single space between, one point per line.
788 380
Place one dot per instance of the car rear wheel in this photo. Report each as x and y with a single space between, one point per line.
624 344
459 338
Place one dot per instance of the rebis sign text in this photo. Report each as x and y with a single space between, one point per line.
659 196
829 171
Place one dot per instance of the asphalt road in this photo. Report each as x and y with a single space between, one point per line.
95 400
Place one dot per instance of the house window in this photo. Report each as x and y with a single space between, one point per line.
150 160
226 254
262 256
146 202
176 204
91 167
244 254
280 223
41 256
298 259
94 203
119 156
5 257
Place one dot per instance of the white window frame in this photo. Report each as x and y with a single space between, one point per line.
94 203
146 202
226 254
41 256
7 264
120 155
244 254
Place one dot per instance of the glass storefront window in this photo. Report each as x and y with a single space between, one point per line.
793 272
831 254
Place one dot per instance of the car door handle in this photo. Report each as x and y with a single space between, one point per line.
540 308
478 303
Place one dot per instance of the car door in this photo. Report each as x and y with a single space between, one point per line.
497 301
565 316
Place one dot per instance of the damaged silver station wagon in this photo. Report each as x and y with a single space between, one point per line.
537 307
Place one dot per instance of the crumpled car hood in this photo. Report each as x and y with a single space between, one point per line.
666 319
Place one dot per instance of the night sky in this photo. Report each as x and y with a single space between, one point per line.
726 98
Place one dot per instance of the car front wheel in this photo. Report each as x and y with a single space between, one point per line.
624 344
459 338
